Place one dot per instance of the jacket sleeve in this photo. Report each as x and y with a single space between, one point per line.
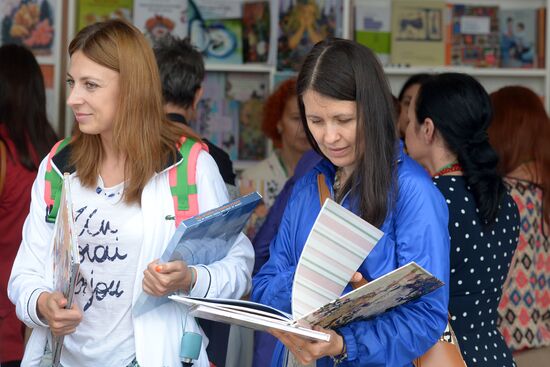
395 338
272 285
31 272
229 277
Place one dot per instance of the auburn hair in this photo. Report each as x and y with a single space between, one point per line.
520 133
274 108
141 131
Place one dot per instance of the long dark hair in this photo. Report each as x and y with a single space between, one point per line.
344 70
460 109
23 105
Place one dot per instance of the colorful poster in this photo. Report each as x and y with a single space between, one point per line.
30 23
92 11
301 25
157 18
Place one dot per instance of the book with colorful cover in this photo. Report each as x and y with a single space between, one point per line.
319 281
417 33
203 239
256 31
66 257
473 36
518 38
373 27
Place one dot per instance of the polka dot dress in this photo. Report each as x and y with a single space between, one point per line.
480 258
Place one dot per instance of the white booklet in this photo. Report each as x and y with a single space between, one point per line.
337 245
66 256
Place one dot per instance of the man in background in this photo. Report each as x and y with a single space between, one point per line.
181 73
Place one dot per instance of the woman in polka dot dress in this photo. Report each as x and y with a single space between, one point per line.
447 135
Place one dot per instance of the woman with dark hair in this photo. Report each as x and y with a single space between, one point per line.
447 134
348 114
525 163
26 135
122 163
407 92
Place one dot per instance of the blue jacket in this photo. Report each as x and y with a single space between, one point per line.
415 230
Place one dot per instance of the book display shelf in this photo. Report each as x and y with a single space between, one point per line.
261 77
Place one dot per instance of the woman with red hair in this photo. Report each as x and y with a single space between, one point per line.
281 123
519 132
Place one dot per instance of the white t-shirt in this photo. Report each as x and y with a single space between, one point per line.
110 235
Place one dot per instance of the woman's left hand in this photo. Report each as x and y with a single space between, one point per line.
306 351
162 279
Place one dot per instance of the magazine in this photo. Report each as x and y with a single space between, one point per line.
320 280
203 239
402 285
66 257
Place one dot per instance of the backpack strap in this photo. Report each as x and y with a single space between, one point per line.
53 182
182 178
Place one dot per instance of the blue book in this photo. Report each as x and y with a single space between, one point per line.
204 239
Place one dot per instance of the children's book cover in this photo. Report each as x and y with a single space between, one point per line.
92 11
518 38
256 31
474 38
417 33
301 25
158 18
373 27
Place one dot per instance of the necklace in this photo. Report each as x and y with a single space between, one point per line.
448 168
337 180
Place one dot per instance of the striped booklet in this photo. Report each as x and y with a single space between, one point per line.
337 245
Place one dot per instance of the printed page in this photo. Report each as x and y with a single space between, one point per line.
337 245
400 286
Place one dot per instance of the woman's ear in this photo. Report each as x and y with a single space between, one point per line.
197 98
428 130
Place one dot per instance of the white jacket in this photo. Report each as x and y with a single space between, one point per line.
157 333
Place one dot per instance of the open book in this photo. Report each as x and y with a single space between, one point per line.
66 256
320 280
204 239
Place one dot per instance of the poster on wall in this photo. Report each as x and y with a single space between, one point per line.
31 23
301 25
92 11
157 18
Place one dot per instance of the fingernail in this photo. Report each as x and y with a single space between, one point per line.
158 268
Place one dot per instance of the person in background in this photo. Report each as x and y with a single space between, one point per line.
348 114
181 70
407 92
120 160
281 123
447 135
525 163
25 135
